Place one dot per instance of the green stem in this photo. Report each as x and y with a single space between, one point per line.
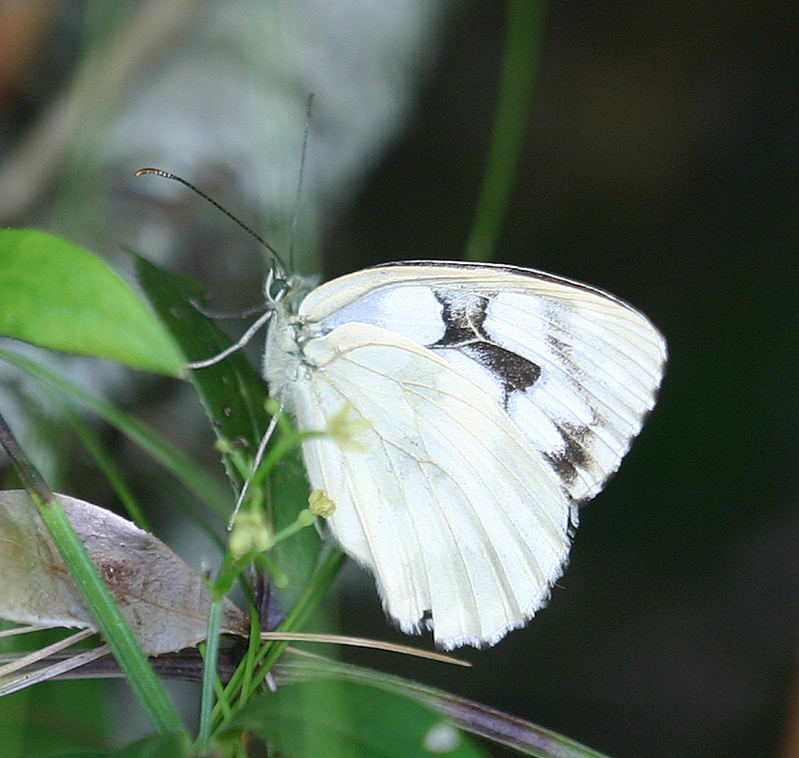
249 676
519 67
305 606
209 673
109 469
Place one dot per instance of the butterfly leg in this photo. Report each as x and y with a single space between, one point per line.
259 456
240 343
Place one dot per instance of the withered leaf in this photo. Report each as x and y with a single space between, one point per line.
164 600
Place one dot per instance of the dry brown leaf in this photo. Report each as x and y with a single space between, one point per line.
165 601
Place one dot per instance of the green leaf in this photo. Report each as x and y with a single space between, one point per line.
53 718
233 396
157 746
57 295
297 556
231 392
476 718
173 745
336 718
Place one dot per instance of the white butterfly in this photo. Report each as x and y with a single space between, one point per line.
487 401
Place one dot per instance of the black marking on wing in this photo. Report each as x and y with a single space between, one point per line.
573 456
464 316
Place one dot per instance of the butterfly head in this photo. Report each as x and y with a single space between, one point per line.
284 292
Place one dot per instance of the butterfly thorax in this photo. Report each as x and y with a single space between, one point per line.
284 338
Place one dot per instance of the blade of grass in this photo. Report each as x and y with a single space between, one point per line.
209 490
110 621
209 674
302 610
250 673
525 21
109 469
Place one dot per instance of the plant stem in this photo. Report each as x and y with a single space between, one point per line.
519 67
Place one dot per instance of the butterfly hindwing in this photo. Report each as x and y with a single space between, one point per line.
438 493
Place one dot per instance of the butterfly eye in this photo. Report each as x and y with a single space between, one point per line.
276 286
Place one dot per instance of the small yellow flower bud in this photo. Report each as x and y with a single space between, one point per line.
251 533
320 504
272 406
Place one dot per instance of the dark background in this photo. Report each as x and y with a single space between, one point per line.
659 164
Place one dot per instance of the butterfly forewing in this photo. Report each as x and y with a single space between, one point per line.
576 368
489 399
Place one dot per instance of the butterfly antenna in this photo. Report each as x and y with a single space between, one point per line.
175 178
295 212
